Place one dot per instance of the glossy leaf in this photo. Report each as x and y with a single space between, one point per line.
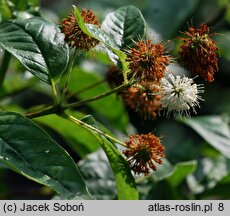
38 45
125 25
29 150
214 130
98 175
125 183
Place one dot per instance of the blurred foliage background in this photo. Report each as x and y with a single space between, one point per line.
197 164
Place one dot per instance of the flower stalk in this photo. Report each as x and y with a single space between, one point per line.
91 128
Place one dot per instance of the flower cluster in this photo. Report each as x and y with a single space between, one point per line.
180 94
198 52
73 33
155 89
143 152
148 63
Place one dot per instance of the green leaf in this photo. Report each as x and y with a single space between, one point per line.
93 30
166 17
110 47
214 130
125 183
180 172
125 25
28 150
38 45
80 140
98 175
174 174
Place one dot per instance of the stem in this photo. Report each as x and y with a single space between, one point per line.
85 88
57 108
70 68
91 128
4 67
47 111
82 102
56 93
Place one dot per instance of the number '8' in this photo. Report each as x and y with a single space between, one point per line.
221 207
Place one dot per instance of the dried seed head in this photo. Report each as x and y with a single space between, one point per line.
143 98
198 52
143 152
73 33
147 60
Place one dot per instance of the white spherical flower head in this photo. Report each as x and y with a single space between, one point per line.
180 94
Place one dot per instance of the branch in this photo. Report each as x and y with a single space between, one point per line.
57 108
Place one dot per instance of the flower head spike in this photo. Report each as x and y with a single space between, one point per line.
143 99
147 60
73 33
180 94
143 152
198 52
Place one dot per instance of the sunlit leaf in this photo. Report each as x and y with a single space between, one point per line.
38 45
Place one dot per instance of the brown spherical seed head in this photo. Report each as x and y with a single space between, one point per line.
144 99
198 52
73 33
147 60
143 151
